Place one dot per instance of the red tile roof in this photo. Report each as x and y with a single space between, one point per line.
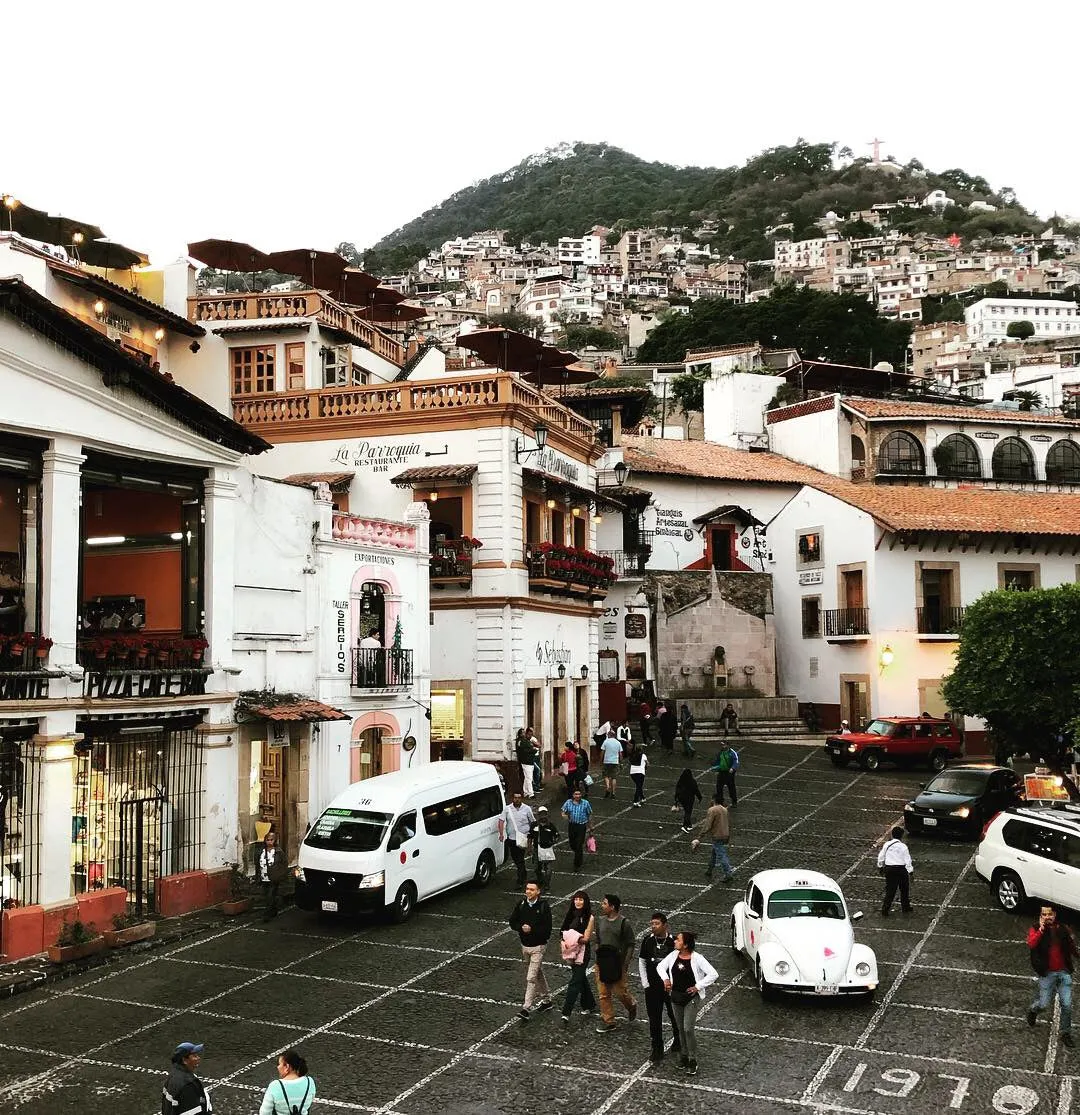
428 474
708 461
337 481
914 408
302 708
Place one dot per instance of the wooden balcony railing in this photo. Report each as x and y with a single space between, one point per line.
841 622
382 668
457 395
937 620
294 303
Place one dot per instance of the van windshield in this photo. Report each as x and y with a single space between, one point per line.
349 830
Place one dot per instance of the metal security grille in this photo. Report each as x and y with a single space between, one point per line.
20 803
138 808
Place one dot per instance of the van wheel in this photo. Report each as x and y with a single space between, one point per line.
1009 891
485 869
404 903
870 760
937 759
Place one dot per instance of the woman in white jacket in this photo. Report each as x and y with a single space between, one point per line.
686 974
638 761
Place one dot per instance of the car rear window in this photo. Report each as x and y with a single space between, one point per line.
349 830
802 902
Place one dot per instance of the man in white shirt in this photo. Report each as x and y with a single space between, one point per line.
519 820
894 860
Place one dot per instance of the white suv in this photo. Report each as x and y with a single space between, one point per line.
1029 852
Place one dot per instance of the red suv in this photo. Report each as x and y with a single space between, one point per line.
898 739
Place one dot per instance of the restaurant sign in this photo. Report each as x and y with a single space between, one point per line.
378 456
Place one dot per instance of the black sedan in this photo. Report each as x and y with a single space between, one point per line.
960 800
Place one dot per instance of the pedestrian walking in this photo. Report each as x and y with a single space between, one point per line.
577 932
568 766
271 869
584 779
687 791
894 862
531 920
622 734
615 943
1053 950
610 752
687 724
638 761
606 729
726 765
527 753
183 1092
686 974
669 728
578 813
645 722
716 828
544 837
519 820
656 945
729 719
293 1092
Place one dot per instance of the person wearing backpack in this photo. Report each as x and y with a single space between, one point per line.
293 1091
615 944
727 763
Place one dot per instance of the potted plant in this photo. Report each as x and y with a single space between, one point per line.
238 901
127 929
74 942
42 644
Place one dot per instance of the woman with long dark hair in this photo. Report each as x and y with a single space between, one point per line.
293 1090
687 791
577 931
686 974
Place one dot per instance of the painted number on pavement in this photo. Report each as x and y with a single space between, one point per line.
1010 1099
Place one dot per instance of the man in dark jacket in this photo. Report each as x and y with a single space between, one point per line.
1053 951
270 870
183 1093
655 945
669 729
531 920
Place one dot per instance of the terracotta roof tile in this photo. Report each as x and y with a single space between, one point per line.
914 408
337 481
302 708
708 461
693 357
426 474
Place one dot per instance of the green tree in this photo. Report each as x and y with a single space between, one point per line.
578 337
1016 666
1020 330
348 251
1028 400
512 319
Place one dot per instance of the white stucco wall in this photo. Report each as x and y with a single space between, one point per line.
815 439
735 407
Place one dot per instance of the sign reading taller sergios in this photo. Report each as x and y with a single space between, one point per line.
375 455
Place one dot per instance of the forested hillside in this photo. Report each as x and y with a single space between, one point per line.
564 192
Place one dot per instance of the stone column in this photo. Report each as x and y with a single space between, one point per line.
60 556
219 572
222 842
56 743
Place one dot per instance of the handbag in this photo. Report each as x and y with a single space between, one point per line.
590 843
521 839
545 855
564 769
588 780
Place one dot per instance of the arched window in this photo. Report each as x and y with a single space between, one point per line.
901 453
1013 460
1063 463
858 452
957 457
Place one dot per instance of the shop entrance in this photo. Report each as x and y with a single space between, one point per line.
137 806
365 755
855 700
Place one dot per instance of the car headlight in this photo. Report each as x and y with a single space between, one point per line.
370 882
910 807
851 748
963 811
298 875
781 967
862 969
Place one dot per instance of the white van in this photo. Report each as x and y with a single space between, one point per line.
396 839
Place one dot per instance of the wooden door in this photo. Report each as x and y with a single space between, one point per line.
855 702
295 376
853 588
365 758
272 791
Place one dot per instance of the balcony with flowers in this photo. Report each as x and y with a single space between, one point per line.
24 675
452 561
569 570
136 665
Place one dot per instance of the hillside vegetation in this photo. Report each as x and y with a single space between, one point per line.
567 190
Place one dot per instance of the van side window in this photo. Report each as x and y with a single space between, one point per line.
404 829
467 809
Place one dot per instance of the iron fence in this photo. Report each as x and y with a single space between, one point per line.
20 815
382 668
847 621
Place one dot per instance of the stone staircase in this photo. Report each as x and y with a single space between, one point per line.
782 729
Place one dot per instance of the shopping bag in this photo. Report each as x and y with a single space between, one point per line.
590 844
588 780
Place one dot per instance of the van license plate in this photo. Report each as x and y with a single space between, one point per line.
329 907
826 989
929 821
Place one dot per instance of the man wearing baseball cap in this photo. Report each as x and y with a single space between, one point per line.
184 1093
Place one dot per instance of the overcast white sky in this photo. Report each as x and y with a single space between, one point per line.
304 123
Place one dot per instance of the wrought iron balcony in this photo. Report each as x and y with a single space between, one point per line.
936 620
846 623
382 668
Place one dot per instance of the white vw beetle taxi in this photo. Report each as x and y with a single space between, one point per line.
795 928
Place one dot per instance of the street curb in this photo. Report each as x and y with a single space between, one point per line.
34 978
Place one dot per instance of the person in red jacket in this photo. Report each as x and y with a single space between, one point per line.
1053 951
